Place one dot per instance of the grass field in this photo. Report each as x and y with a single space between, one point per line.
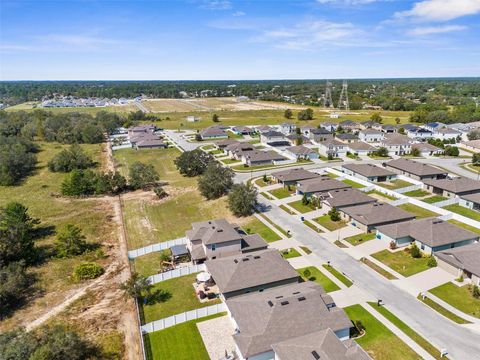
328 224
290 253
255 226
402 262
418 211
360 238
347 282
317 276
282 192
378 341
459 297
182 342
472 214
441 310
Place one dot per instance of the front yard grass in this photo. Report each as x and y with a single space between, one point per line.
175 296
312 226
290 253
459 297
353 184
378 269
360 238
412 334
417 193
317 276
418 211
472 214
328 224
230 161
285 233
306 250
347 282
465 226
395 184
433 199
255 226
287 210
282 192
379 341
301 207
261 183
182 342
402 262
441 310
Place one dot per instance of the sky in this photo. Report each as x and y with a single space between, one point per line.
238 40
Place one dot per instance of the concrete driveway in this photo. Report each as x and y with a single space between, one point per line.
425 280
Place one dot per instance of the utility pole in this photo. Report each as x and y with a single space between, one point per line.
343 101
327 101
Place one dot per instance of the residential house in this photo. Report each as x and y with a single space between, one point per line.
271 137
149 143
332 147
370 135
321 184
426 149
341 198
145 129
213 132
369 216
369 124
447 134
243 130
235 151
191 118
350 125
453 187
414 169
217 238
471 201
320 134
419 133
292 176
287 128
302 152
461 261
473 145
257 157
330 126
295 139
360 148
247 273
430 235
434 126
389 129
263 319
263 129
346 138
369 172
306 130
397 144
222 144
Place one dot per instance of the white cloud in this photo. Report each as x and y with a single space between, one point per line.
347 2
238 13
440 10
429 30
216 4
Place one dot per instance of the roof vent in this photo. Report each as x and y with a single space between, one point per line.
301 298
315 355
219 230
278 297
245 259
284 303
256 257
235 261
296 292
270 303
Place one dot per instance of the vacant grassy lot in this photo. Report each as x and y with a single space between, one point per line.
434 199
353 184
465 226
417 193
360 238
378 341
290 253
328 224
182 342
402 262
394 184
317 276
441 310
418 211
174 296
282 192
301 207
338 275
472 214
459 297
255 226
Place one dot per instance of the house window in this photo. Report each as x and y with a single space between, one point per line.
214 247
422 247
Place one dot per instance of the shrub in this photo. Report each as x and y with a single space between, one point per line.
69 159
415 251
431 262
307 273
475 291
393 245
334 214
359 326
70 242
87 270
160 192
459 279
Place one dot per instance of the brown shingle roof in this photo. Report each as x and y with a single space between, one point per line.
360 145
377 213
213 232
300 150
320 184
347 197
257 155
294 175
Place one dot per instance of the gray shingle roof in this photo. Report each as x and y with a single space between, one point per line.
472 197
368 170
213 232
455 185
377 213
320 184
300 150
415 167
466 258
250 270
347 197
360 145
294 175
213 131
257 155
281 313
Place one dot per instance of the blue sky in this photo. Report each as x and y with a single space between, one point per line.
222 39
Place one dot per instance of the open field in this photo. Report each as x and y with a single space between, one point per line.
120 109
402 262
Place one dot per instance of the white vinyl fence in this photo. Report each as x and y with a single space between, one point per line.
181 271
408 188
447 202
184 317
132 254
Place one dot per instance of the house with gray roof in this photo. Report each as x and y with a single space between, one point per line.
217 238
461 261
332 147
446 134
425 149
369 172
360 148
471 201
213 132
346 137
263 319
302 152
370 135
247 273
320 134
452 187
295 139
272 136
287 128
222 144
243 130
414 169
341 198
397 144
235 151
292 176
319 184
260 157
430 234
369 216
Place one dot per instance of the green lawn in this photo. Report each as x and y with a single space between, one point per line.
459 297
331 175
347 282
418 211
380 194
208 147
230 161
217 152
317 276
417 193
284 232
378 269
282 192
353 184
232 135
301 207
148 264
312 226
434 199
465 226
179 297
261 183
412 334
306 250
472 214
441 310
402 262
394 184
286 209
255 226
340 244
379 341
182 342
360 238
267 195
290 253
328 224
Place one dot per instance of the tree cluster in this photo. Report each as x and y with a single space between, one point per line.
242 199
193 163
216 181
69 159
306 114
87 182
17 159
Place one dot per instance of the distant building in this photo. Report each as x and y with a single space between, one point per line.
192 118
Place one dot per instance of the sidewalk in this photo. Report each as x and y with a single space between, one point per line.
452 309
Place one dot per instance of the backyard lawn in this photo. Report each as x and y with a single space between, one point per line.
338 275
360 238
290 253
417 193
317 276
175 296
459 297
472 214
378 341
433 199
255 226
418 211
380 195
402 262
282 192
301 207
148 264
328 224
182 342
353 184
395 184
